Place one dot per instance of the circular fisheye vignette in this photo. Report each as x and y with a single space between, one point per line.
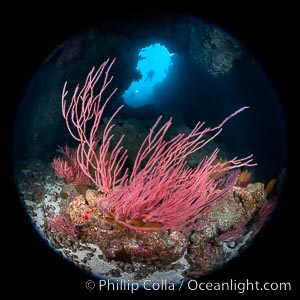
141 191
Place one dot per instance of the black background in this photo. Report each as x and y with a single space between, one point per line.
30 266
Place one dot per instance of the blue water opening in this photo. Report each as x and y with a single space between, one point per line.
154 63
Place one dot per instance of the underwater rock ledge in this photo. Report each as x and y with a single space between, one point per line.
105 248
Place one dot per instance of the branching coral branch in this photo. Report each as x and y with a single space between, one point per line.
102 165
63 224
173 197
162 190
68 167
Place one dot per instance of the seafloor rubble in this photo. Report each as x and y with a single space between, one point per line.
69 217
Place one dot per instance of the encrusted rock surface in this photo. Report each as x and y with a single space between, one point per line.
107 248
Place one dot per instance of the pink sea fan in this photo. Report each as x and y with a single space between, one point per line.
161 191
68 167
62 224
234 235
177 197
263 215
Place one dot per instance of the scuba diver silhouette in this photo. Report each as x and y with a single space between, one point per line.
150 75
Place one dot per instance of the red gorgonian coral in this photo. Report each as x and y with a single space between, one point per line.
62 224
161 190
68 167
